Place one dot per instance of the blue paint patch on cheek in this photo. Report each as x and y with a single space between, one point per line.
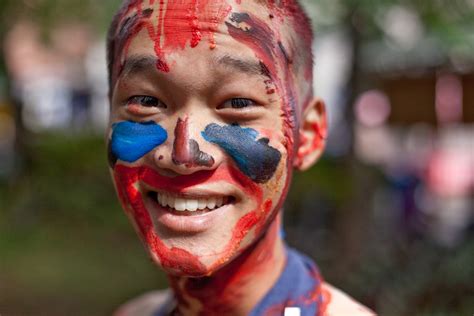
130 140
255 158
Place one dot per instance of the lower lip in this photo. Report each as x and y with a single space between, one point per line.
186 223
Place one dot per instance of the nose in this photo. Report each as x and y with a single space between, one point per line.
186 151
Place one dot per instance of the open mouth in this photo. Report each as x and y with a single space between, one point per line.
189 206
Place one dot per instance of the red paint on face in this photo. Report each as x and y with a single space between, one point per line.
170 258
178 23
181 151
220 293
133 21
258 36
176 259
189 21
266 44
186 150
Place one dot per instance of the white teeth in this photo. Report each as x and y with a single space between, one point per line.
179 204
191 205
170 201
219 201
211 203
202 204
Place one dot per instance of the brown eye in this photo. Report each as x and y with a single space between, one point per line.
238 103
146 101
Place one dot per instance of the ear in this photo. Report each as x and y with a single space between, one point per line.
312 133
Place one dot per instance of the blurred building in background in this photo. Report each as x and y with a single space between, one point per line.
412 108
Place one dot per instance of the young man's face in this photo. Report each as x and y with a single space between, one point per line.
202 128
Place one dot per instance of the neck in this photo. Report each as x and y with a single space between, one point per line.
238 287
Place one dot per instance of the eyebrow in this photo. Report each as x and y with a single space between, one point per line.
138 64
248 66
142 63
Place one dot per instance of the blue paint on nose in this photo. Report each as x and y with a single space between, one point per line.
131 140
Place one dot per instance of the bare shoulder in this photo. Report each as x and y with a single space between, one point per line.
341 304
144 305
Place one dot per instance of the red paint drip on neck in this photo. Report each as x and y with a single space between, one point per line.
223 292
315 294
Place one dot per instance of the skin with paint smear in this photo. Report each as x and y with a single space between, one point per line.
211 99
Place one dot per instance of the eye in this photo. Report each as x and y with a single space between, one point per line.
146 101
237 103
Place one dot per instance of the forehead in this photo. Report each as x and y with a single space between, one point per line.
177 25
246 28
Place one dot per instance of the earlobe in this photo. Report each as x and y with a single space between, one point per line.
312 133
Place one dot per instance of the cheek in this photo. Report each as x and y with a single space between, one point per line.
130 140
253 156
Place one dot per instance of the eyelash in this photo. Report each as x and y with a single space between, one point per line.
152 102
146 101
238 103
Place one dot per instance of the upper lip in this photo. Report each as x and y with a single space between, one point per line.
184 186
187 194
222 181
176 184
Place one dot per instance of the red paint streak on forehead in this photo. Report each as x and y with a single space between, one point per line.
132 21
258 36
187 22
178 24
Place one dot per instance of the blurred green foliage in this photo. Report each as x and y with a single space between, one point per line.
50 13
450 22
66 247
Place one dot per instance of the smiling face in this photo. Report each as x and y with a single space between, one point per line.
204 117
